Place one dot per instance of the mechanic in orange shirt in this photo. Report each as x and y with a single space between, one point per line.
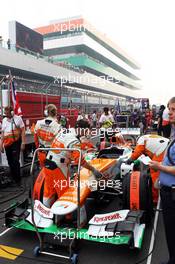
153 146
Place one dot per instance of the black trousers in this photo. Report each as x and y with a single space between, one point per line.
106 135
94 124
160 131
166 131
13 156
168 209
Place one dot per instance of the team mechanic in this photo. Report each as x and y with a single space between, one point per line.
167 188
13 140
45 131
153 146
62 159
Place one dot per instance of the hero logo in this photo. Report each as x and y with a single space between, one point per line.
115 216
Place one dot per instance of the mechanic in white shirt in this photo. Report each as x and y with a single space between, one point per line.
13 140
45 131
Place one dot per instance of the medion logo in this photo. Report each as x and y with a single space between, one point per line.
41 209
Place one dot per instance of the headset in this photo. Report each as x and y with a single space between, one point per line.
46 112
11 111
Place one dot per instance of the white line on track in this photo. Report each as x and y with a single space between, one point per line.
5 231
153 232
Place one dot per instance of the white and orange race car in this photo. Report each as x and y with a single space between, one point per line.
83 202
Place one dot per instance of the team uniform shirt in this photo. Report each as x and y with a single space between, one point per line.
150 145
12 129
154 146
167 179
45 131
64 158
106 120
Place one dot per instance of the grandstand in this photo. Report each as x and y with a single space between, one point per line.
78 63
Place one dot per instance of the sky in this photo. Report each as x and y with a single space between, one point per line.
143 28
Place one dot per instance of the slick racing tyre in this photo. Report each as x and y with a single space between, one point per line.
137 193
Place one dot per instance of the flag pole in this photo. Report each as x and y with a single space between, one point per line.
14 96
9 87
1 81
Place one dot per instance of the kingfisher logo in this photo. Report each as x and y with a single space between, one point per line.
116 216
112 217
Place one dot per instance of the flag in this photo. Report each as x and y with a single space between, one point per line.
15 101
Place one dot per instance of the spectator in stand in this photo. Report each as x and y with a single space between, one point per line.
166 127
13 140
159 124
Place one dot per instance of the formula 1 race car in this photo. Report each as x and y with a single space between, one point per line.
113 209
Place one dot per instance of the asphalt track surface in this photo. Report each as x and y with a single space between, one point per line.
89 252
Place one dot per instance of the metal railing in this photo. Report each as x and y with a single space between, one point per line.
78 187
